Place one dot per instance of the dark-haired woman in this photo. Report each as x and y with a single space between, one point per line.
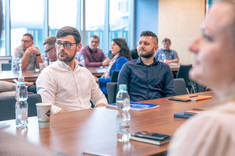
121 54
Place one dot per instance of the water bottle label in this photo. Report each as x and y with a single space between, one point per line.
124 127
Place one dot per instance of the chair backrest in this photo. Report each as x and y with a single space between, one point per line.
114 76
7 106
6 66
180 87
112 91
199 88
183 72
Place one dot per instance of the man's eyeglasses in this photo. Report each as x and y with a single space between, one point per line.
26 41
46 51
66 45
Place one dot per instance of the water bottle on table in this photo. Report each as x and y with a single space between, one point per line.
21 107
19 65
163 58
123 116
45 61
82 60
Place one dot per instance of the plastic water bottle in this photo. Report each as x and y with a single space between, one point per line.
19 64
82 60
45 61
123 116
14 65
21 107
163 58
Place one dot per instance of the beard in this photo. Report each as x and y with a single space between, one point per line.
146 54
63 56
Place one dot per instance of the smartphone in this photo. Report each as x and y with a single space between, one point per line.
152 135
179 99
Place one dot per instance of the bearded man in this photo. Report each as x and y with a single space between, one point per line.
65 84
145 77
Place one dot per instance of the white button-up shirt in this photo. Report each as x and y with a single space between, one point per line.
68 89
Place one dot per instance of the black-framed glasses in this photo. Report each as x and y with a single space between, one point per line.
66 45
26 41
46 51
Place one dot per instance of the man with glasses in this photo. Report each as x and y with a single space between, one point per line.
65 84
30 55
50 49
94 57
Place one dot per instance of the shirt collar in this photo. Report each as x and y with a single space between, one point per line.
91 50
64 65
139 61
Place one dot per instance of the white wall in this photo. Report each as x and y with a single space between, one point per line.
180 21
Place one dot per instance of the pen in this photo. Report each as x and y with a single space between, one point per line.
95 153
193 96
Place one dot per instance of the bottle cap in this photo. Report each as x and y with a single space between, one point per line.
122 87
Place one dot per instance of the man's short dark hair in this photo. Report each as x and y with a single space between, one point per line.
50 40
29 35
68 30
166 40
149 33
95 36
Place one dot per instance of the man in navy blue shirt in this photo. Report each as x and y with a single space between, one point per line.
145 77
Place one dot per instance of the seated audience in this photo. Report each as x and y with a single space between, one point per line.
50 49
171 55
212 132
50 52
94 57
121 54
30 55
145 77
65 84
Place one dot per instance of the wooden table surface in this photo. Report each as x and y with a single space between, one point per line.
10 75
94 130
32 76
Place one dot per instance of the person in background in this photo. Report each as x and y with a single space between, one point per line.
145 77
65 84
94 57
17 145
212 132
121 54
50 53
171 55
30 55
50 49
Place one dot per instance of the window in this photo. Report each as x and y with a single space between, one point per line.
61 14
2 37
94 15
107 19
26 19
119 19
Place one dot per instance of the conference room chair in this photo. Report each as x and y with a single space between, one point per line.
7 106
201 88
6 66
112 91
114 76
183 72
180 87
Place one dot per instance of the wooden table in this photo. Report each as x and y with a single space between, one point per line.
32 76
10 75
97 71
94 130
174 68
